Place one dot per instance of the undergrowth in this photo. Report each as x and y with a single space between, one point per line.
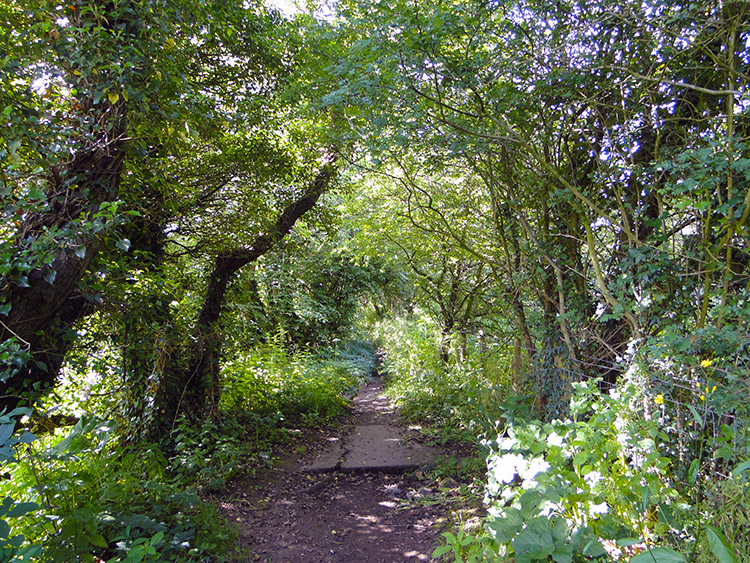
614 480
456 401
82 494
296 388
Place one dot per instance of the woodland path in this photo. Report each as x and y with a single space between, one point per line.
358 495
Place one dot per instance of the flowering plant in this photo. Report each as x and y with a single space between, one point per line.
594 486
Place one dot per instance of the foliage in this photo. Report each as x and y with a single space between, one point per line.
457 401
91 499
725 505
564 488
540 193
310 292
81 494
599 486
14 546
298 387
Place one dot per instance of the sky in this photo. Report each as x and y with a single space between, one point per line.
286 7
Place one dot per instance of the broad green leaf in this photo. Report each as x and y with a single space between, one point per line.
536 540
98 540
735 472
594 549
4 529
440 551
724 453
720 545
659 555
563 554
6 431
580 458
22 508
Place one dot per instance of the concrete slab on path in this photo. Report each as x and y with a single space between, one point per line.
374 447
382 447
330 460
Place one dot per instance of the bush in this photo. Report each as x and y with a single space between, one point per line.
299 388
599 485
93 500
457 401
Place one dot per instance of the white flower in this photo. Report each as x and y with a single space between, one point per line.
533 467
593 478
504 468
555 439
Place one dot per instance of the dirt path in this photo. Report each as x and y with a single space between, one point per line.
338 505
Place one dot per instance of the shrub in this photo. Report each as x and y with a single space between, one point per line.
300 387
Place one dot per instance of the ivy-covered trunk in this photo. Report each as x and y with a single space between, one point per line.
53 250
76 81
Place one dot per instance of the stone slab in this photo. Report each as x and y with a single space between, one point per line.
382 447
330 460
376 447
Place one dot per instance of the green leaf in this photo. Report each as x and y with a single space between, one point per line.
720 545
696 416
659 555
80 252
4 529
560 530
22 508
98 540
580 458
536 540
693 471
49 276
725 453
563 554
123 244
627 542
735 472
6 431
505 529
440 551
593 549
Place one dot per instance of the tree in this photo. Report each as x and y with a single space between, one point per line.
84 89
153 124
567 113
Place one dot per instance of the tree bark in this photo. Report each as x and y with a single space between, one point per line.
42 311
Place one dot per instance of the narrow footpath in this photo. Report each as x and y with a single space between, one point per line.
359 496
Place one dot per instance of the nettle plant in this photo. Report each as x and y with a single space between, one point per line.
595 487
591 487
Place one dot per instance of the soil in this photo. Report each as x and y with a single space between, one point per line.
294 512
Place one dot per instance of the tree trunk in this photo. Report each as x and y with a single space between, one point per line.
45 303
195 388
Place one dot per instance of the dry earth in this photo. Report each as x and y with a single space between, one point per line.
309 508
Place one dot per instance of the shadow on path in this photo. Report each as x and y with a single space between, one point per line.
347 504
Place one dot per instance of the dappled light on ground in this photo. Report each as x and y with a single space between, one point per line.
339 517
